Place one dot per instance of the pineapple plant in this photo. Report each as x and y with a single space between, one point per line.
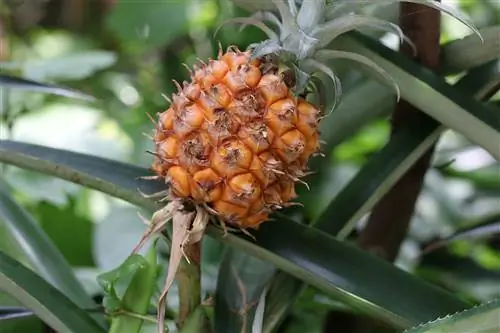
236 139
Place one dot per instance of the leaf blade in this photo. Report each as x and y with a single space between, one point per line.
431 94
394 160
40 250
337 269
96 173
468 52
45 301
7 81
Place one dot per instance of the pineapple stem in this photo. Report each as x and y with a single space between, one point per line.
189 282
188 228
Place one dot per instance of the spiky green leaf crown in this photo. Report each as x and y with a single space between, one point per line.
299 35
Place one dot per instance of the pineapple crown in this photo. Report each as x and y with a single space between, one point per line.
299 35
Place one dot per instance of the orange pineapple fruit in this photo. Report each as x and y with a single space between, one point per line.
236 139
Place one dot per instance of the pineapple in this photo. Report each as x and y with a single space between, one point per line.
237 137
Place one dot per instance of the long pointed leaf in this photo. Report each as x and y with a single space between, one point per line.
7 81
40 250
43 299
343 7
431 94
95 173
8 313
362 193
468 52
339 269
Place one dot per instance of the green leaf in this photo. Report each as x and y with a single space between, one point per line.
344 7
44 300
148 24
318 259
39 249
431 94
14 312
138 294
377 177
241 281
339 269
354 112
468 52
92 172
384 169
7 81
115 282
283 292
480 319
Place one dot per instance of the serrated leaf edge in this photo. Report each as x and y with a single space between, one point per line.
451 316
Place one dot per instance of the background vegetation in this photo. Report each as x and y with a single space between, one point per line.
125 54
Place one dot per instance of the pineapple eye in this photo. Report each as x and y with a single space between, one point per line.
208 185
272 88
291 145
179 181
169 147
282 116
223 126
